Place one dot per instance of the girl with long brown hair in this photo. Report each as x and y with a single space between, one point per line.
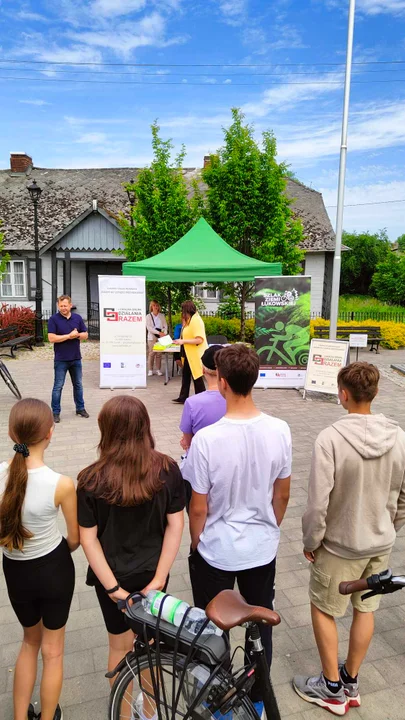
37 562
130 504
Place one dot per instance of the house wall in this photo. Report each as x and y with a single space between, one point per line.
315 267
79 287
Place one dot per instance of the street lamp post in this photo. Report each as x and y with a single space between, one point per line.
337 260
35 193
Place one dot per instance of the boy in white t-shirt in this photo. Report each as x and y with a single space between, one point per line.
239 470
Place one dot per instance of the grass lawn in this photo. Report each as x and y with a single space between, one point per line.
365 303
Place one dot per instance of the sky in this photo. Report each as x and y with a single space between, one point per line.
82 81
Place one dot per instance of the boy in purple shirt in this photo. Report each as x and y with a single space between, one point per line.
203 409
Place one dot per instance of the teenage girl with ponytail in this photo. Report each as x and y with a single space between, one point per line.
37 562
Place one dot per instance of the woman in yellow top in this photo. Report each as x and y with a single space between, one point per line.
194 343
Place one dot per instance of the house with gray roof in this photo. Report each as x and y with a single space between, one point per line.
79 233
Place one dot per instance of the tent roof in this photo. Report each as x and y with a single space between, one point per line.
201 256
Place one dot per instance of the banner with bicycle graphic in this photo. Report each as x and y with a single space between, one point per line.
282 333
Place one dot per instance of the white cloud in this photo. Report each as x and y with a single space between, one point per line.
285 96
381 127
376 7
39 103
233 10
94 138
28 15
370 217
149 31
372 7
116 8
35 46
80 121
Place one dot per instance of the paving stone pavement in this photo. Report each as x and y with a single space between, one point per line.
73 446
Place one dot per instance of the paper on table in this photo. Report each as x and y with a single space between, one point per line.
165 341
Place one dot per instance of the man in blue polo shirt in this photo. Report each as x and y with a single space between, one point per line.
66 330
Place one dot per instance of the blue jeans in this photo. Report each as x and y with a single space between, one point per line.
74 368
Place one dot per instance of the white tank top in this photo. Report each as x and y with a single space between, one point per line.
39 514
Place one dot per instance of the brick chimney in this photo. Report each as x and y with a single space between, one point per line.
20 162
207 160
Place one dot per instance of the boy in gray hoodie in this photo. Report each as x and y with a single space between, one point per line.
356 503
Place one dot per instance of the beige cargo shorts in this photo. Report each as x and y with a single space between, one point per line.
329 570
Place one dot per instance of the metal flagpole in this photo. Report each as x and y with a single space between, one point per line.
334 310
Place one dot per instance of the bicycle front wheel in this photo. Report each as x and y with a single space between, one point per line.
5 375
140 688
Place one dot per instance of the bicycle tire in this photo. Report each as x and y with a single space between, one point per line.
6 376
120 707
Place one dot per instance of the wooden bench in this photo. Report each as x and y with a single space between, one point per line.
11 340
343 332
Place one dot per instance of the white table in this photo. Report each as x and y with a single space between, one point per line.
171 350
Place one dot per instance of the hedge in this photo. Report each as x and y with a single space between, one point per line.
393 333
23 317
229 328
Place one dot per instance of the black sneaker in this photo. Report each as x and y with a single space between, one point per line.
179 401
58 714
31 715
56 418
82 413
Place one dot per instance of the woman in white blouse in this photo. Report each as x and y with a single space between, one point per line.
156 326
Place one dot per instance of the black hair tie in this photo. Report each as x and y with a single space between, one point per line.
21 448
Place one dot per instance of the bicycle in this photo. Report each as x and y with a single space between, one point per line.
382 584
6 376
173 674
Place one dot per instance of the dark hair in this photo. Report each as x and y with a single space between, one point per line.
128 469
188 309
239 366
29 423
360 379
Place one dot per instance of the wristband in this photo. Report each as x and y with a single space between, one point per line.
113 590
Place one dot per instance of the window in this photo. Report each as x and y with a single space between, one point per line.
212 294
13 281
199 290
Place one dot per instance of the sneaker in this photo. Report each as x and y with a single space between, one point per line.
56 418
179 401
150 373
159 372
314 690
58 714
351 690
83 413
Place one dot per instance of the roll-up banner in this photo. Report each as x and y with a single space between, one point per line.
122 331
282 332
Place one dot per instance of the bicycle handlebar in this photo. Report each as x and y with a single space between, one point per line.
352 586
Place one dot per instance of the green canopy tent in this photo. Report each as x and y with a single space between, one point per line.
201 256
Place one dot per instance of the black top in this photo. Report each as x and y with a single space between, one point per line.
132 537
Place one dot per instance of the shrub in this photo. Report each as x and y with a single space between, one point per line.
229 328
393 333
23 317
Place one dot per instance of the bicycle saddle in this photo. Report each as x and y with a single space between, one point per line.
228 609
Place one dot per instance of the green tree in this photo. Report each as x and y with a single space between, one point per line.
247 206
4 257
162 213
359 263
401 243
389 280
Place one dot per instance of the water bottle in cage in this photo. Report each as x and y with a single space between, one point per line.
174 610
